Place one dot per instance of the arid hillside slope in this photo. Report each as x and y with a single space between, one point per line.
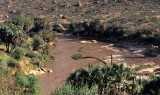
132 14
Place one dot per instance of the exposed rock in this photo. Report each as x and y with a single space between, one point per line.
137 51
53 8
66 4
51 43
94 41
44 69
54 1
61 15
13 11
64 17
6 16
85 42
50 71
33 72
79 4
111 45
36 72
62 27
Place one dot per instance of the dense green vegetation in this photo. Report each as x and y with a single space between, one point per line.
24 47
76 56
106 31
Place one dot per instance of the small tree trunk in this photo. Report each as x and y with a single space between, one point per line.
111 59
7 47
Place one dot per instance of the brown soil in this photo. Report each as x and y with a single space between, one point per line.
63 64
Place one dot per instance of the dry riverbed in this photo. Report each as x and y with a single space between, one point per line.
68 45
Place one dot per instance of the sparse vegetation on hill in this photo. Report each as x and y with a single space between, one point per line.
132 14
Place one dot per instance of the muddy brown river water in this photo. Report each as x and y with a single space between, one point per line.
63 64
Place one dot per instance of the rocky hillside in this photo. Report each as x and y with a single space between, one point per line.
132 14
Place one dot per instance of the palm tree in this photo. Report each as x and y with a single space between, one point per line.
114 80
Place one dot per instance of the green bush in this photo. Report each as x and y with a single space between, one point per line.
57 28
68 89
142 67
47 35
80 49
42 24
28 45
156 70
27 84
46 49
19 21
37 43
28 25
45 57
31 54
110 79
13 64
18 53
76 56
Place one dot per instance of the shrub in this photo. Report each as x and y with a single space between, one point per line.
68 89
152 87
110 80
46 49
156 70
142 67
27 84
19 21
41 23
18 53
80 49
47 35
28 45
45 57
32 55
76 56
37 43
28 25
13 64
57 28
